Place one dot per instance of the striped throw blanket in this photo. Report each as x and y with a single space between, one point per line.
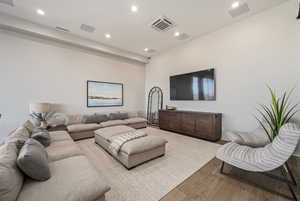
116 142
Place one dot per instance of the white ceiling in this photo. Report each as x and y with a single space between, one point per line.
131 31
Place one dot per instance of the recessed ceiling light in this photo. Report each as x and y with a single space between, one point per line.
176 34
40 12
134 8
235 5
146 49
107 35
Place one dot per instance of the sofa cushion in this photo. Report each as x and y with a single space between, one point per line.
42 137
135 120
74 119
113 123
59 136
33 160
73 179
59 150
11 178
20 133
143 144
83 127
95 118
109 132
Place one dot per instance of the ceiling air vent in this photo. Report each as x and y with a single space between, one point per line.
7 2
163 24
62 29
87 28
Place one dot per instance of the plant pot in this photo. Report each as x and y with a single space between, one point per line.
44 124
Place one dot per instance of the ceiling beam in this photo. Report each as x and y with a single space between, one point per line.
21 26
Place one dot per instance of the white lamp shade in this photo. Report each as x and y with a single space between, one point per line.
39 107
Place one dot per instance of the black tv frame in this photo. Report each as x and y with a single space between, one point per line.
214 76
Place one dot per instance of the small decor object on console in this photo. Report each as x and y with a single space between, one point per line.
170 107
40 112
104 94
280 112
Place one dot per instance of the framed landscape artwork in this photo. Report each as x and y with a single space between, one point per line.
104 94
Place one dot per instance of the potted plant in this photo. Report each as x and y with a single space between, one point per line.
42 118
280 112
40 112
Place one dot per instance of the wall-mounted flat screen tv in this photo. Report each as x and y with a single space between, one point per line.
194 86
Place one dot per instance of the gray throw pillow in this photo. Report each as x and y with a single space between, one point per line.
33 160
123 116
114 116
118 116
42 137
19 145
101 118
95 118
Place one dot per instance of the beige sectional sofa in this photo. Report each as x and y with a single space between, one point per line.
73 178
78 128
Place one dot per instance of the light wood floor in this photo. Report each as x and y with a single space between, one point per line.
207 184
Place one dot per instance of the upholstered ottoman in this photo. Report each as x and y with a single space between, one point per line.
134 152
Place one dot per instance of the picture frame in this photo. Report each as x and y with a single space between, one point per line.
104 94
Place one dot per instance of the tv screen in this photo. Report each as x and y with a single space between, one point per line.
193 86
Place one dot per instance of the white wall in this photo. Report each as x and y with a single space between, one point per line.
32 70
263 49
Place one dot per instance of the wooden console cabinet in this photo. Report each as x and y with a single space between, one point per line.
201 125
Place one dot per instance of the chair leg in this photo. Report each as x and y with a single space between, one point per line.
288 170
222 167
284 173
285 180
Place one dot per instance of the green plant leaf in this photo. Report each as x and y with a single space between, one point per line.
287 116
266 131
279 113
292 115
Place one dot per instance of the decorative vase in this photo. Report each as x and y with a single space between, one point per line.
44 124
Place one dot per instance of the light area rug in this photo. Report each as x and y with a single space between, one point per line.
152 180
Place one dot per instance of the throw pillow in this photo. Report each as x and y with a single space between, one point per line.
95 118
101 118
20 133
123 116
29 126
57 119
11 178
33 160
19 145
115 116
43 138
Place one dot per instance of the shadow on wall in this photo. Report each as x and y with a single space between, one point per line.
72 46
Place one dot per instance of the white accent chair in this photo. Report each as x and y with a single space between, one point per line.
272 156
